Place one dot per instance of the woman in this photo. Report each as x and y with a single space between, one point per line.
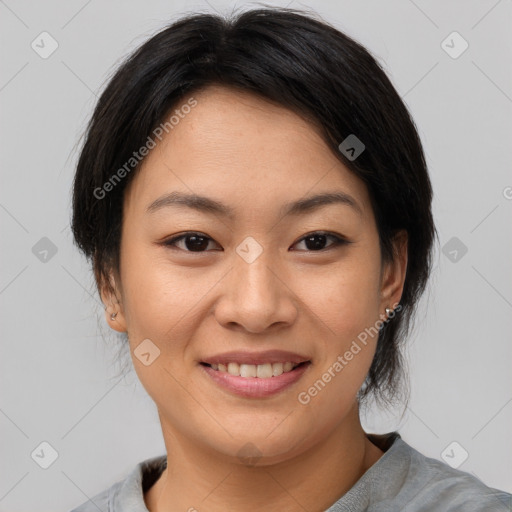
254 198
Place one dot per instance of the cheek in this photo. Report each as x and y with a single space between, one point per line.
156 293
343 298
160 305
345 306
345 310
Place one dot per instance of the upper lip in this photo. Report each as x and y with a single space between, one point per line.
267 356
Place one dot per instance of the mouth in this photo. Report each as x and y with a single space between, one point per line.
252 381
258 371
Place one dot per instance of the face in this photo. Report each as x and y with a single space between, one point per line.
196 282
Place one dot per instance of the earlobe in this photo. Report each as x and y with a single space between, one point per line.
115 319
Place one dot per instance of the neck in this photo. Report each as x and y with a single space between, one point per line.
197 478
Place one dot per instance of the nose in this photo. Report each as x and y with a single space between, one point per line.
256 296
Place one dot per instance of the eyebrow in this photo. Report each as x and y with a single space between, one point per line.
208 205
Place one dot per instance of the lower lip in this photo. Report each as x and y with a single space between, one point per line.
254 387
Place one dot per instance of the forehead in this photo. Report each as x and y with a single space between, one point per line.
227 123
236 145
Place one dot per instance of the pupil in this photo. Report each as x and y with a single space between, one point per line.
318 245
197 243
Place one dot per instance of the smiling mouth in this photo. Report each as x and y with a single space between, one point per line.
261 371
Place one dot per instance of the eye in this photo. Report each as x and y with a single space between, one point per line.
193 242
198 242
315 241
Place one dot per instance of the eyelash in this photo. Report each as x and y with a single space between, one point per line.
338 240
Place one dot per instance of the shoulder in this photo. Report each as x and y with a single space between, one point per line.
426 482
127 494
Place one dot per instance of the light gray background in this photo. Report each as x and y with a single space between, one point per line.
59 378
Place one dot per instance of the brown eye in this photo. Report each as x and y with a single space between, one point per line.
192 242
317 241
197 242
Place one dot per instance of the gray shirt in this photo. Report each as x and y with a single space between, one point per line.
402 479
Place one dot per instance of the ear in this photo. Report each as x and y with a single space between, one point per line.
110 296
393 274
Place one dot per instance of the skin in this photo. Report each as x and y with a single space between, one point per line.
253 156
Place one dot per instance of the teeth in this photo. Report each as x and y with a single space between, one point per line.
262 371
